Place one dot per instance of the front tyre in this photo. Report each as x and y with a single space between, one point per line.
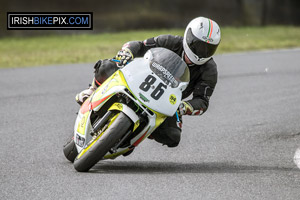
70 150
89 156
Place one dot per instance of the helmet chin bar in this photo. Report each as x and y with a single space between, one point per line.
193 57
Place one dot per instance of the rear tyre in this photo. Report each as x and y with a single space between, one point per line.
97 151
70 150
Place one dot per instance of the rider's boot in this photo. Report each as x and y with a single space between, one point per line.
128 152
82 96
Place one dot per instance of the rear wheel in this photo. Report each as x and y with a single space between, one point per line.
97 149
70 150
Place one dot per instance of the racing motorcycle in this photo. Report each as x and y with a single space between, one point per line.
127 108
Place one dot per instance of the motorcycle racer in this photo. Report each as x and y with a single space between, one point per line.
201 39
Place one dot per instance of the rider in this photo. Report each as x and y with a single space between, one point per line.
201 39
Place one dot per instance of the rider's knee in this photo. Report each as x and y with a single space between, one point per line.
169 136
175 136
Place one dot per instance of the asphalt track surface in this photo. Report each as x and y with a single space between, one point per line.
241 148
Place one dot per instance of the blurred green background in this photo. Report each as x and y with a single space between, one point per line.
245 25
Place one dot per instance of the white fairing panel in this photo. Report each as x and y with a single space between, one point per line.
150 89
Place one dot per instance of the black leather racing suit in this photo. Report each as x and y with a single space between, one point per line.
203 79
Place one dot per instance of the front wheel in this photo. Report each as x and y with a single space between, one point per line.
95 151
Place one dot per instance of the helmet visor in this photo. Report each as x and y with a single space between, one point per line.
200 48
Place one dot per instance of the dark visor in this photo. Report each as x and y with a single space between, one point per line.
199 47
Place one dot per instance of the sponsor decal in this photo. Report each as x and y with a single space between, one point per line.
206 39
82 122
143 97
165 73
49 20
172 99
79 140
117 106
120 106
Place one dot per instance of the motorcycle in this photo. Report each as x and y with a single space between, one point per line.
127 108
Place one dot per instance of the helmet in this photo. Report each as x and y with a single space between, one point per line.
201 39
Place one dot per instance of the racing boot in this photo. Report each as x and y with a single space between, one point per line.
128 152
82 96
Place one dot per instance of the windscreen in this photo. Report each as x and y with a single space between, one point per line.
168 66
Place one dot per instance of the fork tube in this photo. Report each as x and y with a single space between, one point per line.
100 123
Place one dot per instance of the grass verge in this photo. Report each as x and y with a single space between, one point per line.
46 50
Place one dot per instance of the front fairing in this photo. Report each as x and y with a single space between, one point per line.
136 74
157 82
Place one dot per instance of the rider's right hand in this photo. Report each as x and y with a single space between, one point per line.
185 108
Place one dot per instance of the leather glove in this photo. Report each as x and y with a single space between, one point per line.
185 108
82 96
125 56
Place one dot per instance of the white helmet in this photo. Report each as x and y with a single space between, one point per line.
201 39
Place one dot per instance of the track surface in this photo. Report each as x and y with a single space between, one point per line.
242 148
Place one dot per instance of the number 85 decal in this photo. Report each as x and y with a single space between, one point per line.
158 91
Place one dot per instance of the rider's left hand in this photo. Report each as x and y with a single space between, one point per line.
185 108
